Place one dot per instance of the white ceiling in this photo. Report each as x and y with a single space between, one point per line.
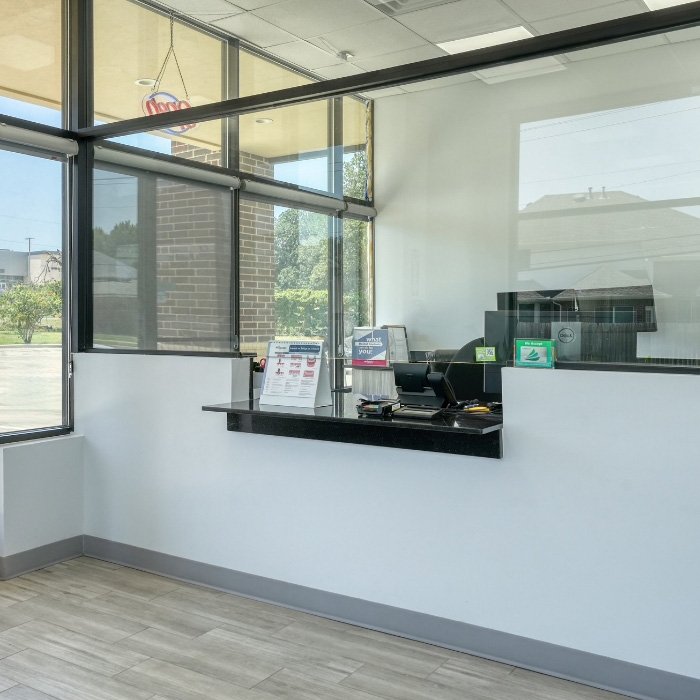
311 33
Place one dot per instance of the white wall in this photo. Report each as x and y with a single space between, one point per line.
42 492
583 535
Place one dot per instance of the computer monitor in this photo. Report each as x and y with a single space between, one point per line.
416 385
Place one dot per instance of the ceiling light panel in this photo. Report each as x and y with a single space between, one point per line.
533 10
616 10
661 4
400 7
523 69
481 41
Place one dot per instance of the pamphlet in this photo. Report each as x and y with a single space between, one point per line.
370 347
296 374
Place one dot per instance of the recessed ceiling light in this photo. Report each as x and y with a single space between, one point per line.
145 82
264 121
481 41
660 4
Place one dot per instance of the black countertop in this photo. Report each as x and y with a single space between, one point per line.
454 432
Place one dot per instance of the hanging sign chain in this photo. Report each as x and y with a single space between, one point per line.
171 52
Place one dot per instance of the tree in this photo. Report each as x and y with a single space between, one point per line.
23 306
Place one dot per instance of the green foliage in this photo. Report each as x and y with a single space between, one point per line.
122 238
302 312
355 176
23 306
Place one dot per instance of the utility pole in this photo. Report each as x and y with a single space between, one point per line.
29 240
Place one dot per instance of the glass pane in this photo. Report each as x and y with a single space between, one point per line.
30 60
162 263
128 63
357 275
290 144
31 318
284 275
356 149
558 202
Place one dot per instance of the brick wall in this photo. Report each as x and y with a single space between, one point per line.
192 261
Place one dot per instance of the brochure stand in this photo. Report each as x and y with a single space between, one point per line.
296 374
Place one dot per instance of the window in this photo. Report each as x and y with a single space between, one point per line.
30 60
32 359
128 63
161 263
284 274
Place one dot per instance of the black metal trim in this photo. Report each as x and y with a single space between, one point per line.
23 435
609 32
643 367
184 353
235 276
38 127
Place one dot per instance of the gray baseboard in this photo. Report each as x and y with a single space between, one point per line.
23 562
580 666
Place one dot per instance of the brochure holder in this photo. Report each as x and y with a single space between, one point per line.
296 374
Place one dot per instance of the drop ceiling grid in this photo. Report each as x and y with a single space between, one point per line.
310 33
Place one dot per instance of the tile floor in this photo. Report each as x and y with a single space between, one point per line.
90 630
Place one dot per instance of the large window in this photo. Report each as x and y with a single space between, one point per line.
32 361
161 263
30 60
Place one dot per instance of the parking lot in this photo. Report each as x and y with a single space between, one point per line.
30 387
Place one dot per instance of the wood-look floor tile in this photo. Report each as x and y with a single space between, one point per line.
384 652
399 686
14 615
466 671
150 615
549 688
77 618
22 692
318 662
91 561
298 686
56 579
11 593
204 656
179 683
127 581
73 647
65 681
226 608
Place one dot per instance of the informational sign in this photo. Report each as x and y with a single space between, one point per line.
534 353
485 354
159 102
398 343
296 374
370 347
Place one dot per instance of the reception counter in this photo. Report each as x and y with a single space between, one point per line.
454 433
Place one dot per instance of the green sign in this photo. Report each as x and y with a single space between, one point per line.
485 354
534 353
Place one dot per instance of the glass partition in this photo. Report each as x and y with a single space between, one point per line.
558 202
30 60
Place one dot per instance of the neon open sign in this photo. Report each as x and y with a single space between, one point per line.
160 102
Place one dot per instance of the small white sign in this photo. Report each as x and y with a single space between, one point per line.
296 374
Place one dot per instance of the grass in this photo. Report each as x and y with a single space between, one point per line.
39 338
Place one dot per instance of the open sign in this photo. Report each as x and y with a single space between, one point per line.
160 102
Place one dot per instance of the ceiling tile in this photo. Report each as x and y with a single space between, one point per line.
371 39
306 55
342 70
307 18
533 10
619 47
255 4
580 19
449 81
398 58
459 19
383 92
254 30
220 8
679 35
